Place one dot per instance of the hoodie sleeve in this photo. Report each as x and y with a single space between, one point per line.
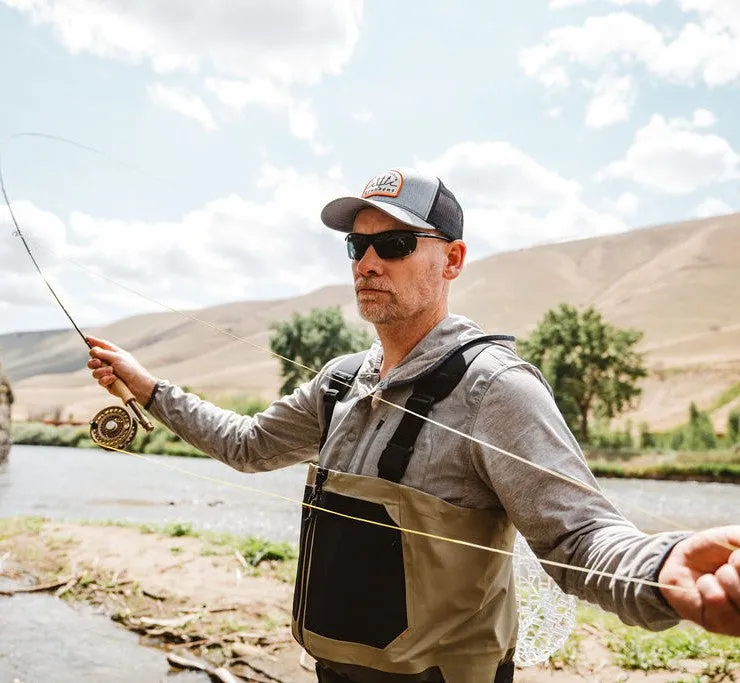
287 432
564 522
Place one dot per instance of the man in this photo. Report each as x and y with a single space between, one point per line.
373 603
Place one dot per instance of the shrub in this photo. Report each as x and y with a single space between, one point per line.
733 427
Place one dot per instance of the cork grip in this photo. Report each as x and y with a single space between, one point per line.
118 388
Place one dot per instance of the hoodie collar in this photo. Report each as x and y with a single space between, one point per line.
433 348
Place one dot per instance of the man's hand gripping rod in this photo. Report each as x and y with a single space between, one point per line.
113 426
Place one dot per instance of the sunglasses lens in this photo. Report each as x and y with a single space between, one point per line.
397 245
387 245
357 245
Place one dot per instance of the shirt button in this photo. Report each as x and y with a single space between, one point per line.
351 436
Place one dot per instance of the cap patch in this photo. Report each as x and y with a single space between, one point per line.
387 184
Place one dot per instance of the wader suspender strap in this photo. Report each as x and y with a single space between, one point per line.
429 389
340 381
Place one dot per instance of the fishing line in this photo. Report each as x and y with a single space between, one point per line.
194 318
416 532
580 484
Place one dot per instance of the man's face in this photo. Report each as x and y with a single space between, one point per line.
391 291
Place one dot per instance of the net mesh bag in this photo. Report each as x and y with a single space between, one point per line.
546 614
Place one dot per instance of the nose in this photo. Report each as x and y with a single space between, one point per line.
370 264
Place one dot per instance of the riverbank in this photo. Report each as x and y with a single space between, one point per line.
720 466
226 601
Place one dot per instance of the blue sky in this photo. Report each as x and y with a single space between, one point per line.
219 130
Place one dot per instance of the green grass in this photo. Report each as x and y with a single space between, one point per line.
255 550
12 526
645 651
40 434
727 472
637 649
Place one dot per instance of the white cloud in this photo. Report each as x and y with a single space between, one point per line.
296 42
512 201
246 52
20 281
554 112
612 101
712 206
703 119
626 205
272 244
239 94
363 116
182 101
669 155
302 119
706 48
560 4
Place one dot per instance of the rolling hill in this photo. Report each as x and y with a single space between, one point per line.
679 283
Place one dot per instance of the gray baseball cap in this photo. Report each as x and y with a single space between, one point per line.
421 201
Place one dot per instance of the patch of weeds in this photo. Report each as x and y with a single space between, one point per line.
210 551
176 549
177 529
643 650
12 526
257 550
568 654
714 672
85 580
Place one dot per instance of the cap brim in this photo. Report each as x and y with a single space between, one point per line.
340 214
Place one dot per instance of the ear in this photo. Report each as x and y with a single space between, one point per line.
456 252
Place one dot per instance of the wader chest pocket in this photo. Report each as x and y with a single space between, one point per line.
351 576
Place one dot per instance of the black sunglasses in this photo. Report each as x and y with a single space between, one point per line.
391 244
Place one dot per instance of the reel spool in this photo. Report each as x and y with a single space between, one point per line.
113 427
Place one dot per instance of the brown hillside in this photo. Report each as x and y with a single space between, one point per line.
679 283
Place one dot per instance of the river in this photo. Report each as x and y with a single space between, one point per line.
44 639
79 484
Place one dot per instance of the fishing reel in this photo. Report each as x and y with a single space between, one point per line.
114 427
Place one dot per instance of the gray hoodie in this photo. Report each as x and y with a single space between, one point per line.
502 402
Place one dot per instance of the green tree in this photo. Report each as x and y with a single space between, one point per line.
733 427
312 340
699 432
592 366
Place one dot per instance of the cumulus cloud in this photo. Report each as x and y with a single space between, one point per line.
272 243
612 101
706 49
20 282
245 52
183 101
560 4
512 201
712 206
267 245
296 41
672 156
626 205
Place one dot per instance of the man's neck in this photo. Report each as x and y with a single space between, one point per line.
399 338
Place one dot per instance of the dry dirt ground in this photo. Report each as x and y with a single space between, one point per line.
189 596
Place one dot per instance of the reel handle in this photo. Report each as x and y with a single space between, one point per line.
120 389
